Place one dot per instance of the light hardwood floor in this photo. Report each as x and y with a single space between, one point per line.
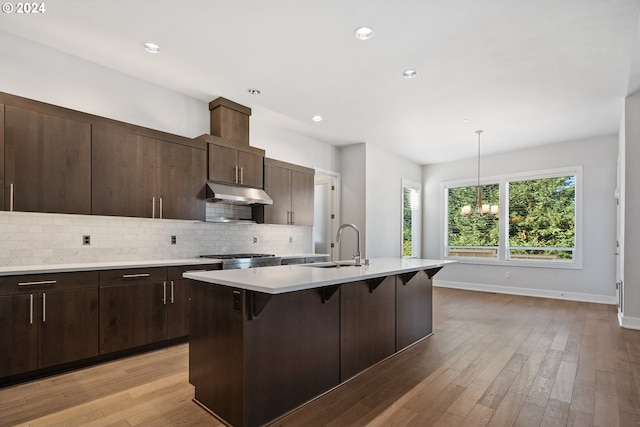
496 360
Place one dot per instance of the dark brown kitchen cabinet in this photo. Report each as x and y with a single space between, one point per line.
47 162
367 316
235 165
414 303
292 189
47 320
140 176
1 157
132 308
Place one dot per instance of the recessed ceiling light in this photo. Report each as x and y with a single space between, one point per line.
363 33
151 47
317 118
409 74
254 91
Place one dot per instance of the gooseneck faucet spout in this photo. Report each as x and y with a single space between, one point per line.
342 227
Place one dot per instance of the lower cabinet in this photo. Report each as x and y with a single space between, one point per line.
132 308
47 320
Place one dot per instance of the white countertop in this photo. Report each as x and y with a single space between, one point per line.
90 266
288 278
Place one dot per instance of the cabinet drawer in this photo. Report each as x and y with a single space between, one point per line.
175 272
132 275
10 285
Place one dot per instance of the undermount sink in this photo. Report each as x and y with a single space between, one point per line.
330 264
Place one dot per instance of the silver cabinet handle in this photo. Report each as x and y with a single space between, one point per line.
236 168
293 218
153 207
288 217
135 276
160 207
43 282
31 309
172 292
11 198
44 307
164 292
241 175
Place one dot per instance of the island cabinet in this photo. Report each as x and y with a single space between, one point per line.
47 320
368 324
268 353
232 164
292 189
413 307
140 176
47 162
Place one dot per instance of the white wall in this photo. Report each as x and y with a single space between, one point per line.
596 280
630 157
385 172
353 203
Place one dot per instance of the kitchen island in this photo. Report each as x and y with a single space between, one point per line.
264 341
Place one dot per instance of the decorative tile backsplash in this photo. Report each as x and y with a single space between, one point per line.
35 238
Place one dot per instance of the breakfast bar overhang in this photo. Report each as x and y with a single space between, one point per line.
264 341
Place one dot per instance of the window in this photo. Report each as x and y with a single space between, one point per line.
531 219
542 215
470 234
411 214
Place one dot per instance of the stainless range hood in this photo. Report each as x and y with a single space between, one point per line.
236 195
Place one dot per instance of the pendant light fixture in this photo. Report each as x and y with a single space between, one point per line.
480 208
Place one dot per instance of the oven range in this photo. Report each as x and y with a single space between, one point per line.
247 260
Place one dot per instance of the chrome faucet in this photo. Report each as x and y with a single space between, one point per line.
342 227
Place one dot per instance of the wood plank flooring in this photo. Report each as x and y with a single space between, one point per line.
494 360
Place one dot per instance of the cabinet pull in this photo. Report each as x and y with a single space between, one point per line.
293 218
288 217
135 276
160 207
164 292
11 198
44 307
43 282
172 292
153 207
241 175
236 168
31 309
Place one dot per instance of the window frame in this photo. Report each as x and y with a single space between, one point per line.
416 235
503 182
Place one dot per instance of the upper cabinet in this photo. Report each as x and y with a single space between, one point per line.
292 189
235 165
47 162
1 157
140 176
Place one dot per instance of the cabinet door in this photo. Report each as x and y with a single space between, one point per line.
182 173
131 316
18 334
48 162
124 173
178 308
223 164
251 169
302 188
67 326
414 308
277 184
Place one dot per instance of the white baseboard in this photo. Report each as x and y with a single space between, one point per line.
572 296
628 322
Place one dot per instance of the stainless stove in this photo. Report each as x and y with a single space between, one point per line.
247 260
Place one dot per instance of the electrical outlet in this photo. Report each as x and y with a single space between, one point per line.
86 240
174 240
290 239
255 239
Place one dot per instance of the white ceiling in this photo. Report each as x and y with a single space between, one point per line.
526 71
